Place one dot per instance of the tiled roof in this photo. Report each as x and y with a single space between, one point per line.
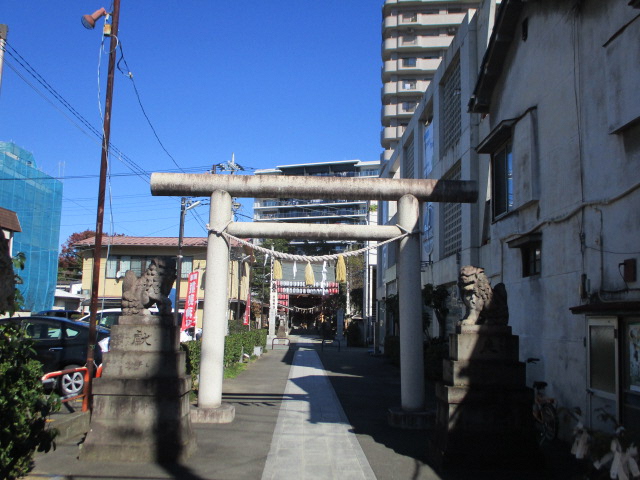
147 242
9 220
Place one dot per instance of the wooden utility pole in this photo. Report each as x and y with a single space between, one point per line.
95 279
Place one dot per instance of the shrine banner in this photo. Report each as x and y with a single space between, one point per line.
247 310
191 303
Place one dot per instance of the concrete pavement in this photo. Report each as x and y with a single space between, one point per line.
300 413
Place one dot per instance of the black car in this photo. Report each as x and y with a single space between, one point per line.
72 314
60 344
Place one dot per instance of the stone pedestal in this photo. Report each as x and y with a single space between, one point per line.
141 410
483 414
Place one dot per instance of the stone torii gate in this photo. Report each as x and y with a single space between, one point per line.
408 193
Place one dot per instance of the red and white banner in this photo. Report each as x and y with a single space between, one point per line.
247 310
191 303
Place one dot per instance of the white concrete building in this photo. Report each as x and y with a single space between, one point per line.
547 122
415 35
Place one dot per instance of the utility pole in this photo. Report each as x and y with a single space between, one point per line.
176 307
95 282
4 29
183 211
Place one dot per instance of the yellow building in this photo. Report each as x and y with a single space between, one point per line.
134 253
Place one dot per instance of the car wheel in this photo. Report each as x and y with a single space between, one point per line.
71 383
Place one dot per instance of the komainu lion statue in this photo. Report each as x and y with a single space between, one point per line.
153 287
485 306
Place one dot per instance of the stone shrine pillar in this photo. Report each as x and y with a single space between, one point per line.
141 403
483 417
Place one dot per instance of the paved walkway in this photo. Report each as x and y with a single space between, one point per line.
313 437
300 413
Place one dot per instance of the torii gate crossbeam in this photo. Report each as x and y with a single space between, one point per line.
220 188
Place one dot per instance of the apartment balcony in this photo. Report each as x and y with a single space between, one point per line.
402 110
422 42
422 19
295 203
389 135
402 88
322 214
421 66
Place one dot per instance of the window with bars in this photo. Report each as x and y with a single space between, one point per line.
452 219
451 109
408 161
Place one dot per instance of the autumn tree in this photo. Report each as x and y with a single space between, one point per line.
69 260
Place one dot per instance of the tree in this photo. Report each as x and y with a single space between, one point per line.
436 298
69 260
24 407
260 279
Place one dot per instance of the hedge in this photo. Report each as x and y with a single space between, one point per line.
234 345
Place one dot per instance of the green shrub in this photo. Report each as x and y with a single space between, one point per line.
234 345
193 349
24 406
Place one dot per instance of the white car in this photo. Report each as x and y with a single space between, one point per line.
187 335
109 317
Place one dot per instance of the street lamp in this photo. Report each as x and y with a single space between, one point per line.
89 21
183 211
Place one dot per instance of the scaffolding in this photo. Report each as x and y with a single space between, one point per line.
37 199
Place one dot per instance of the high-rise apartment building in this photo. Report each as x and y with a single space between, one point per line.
415 35
291 210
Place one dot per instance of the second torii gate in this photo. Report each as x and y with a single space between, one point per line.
221 188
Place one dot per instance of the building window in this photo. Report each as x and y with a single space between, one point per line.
408 39
451 109
410 17
408 164
409 84
452 218
530 246
502 180
118 265
409 107
409 62
531 259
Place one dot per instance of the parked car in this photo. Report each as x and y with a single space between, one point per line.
60 344
71 314
189 334
108 317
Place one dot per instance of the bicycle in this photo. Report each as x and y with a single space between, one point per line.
544 411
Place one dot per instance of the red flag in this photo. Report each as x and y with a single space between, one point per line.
191 303
247 310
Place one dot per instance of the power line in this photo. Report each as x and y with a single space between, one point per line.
133 166
135 89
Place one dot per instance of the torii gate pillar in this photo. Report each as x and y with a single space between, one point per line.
409 289
214 324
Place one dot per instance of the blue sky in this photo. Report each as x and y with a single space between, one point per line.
277 82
